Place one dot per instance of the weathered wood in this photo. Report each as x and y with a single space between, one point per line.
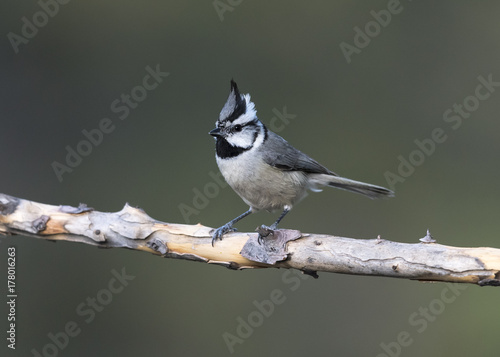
132 228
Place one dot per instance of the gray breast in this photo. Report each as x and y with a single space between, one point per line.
260 185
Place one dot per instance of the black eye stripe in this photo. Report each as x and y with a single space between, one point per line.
223 125
253 122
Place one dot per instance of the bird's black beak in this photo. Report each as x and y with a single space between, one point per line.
215 132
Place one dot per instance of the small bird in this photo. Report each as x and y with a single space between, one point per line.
264 169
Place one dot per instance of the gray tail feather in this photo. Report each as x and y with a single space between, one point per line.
366 189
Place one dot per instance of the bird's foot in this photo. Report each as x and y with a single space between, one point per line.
265 231
219 232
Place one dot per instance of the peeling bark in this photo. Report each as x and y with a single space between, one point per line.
132 228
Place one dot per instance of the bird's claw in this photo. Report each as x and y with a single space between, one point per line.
219 232
264 231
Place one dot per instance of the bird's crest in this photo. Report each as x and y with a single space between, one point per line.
238 107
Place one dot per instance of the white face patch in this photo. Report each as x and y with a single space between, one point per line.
250 136
243 139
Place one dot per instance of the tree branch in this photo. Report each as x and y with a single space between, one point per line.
132 228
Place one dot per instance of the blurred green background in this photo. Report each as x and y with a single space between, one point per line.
356 118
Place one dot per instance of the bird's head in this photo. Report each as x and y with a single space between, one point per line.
238 126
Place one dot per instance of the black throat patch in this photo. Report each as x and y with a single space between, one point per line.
225 150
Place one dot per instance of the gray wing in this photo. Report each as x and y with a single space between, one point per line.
280 154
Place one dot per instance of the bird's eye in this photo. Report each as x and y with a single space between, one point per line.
238 127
